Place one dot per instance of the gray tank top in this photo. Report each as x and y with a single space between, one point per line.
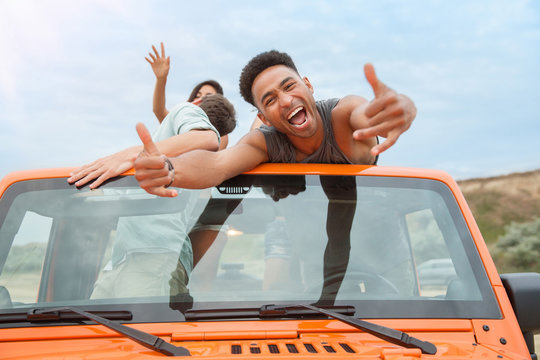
280 149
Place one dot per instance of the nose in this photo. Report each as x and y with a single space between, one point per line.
285 100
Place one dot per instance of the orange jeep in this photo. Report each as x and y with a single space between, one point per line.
283 262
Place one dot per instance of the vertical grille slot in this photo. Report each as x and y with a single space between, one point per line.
310 348
255 350
273 349
292 348
347 348
329 349
236 349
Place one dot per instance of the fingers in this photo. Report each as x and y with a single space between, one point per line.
155 51
371 77
153 175
162 50
378 112
379 88
382 129
100 180
384 102
149 147
151 170
389 129
82 177
84 174
385 145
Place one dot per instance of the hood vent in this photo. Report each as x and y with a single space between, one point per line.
290 348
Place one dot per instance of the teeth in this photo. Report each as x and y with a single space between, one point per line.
295 112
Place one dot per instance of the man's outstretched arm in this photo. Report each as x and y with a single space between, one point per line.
196 169
113 165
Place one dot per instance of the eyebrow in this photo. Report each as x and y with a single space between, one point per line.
267 94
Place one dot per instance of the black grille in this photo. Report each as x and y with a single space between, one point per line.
292 348
310 348
347 348
329 349
236 349
273 349
255 350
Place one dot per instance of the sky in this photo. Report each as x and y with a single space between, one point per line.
74 81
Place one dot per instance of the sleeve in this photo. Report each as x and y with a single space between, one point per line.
187 117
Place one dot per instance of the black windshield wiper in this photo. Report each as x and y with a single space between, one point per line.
266 311
68 316
145 339
391 335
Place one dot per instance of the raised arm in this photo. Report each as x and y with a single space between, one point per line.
196 169
160 65
116 164
388 115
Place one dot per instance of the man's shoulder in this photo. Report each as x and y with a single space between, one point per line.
346 105
351 100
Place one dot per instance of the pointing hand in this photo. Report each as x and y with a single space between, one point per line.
153 170
389 114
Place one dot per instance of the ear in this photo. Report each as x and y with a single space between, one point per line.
308 84
263 119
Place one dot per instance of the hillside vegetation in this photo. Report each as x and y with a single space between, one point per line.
507 211
498 201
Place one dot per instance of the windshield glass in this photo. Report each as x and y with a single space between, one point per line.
392 247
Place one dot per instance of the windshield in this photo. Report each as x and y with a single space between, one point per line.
391 247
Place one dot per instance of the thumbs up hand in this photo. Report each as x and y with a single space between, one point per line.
153 170
388 115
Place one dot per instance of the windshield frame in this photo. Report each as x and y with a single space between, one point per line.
172 309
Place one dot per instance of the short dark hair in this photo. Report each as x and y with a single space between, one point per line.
220 112
212 83
257 65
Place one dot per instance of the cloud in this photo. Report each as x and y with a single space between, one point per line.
74 81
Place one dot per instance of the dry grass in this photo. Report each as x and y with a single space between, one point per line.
496 202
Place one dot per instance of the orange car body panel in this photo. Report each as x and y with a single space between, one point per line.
454 338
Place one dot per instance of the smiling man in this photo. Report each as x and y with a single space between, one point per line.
296 129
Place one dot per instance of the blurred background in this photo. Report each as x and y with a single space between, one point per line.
74 82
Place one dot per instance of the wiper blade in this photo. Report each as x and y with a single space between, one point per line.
391 335
145 339
266 311
32 316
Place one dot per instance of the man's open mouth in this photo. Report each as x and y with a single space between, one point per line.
297 117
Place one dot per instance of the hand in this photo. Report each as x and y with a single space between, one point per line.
151 169
389 114
160 64
104 168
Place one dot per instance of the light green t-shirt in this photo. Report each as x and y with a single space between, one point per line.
166 232
181 119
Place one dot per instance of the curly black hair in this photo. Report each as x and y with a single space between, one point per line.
257 65
212 83
220 112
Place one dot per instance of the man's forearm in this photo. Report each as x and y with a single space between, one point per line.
197 170
192 140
